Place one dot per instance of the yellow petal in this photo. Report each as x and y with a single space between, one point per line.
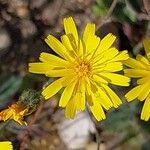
145 90
70 44
99 79
93 87
66 42
52 89
106 42
97 111
82 101
114 98
59 72
79 101
53 60
130 62
146 43
90 39
143 80
89 31
70 110
104 99
73 42
81 49
98 94
88 92
70 27
113 67
20 121
40 68
108 55
136 73
6 145
145 114
92 44
7 114
116 79
57 46
132 94
66 95
89 98
121 56
67 80
142 59
79 95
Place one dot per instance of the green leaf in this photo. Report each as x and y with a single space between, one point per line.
9 85
121 119
99 11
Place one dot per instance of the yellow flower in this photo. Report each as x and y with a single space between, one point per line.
6 145
140 68
84 68
15 112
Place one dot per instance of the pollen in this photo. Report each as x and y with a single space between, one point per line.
83 68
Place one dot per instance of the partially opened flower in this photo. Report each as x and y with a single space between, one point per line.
6 145
15 112
140 68
84 67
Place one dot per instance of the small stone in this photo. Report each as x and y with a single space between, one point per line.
5 39
28 29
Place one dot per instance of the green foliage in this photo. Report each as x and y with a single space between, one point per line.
122 118
100 9
124 10
30 81
145 125
9 85
136 4
146 145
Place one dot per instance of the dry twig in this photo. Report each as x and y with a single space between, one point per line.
26 133
109 13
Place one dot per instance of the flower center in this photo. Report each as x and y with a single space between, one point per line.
83 68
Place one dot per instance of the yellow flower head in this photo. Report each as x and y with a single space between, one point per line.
140 68
84 68
15 112
6 145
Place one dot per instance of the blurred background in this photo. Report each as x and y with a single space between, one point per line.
23 26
